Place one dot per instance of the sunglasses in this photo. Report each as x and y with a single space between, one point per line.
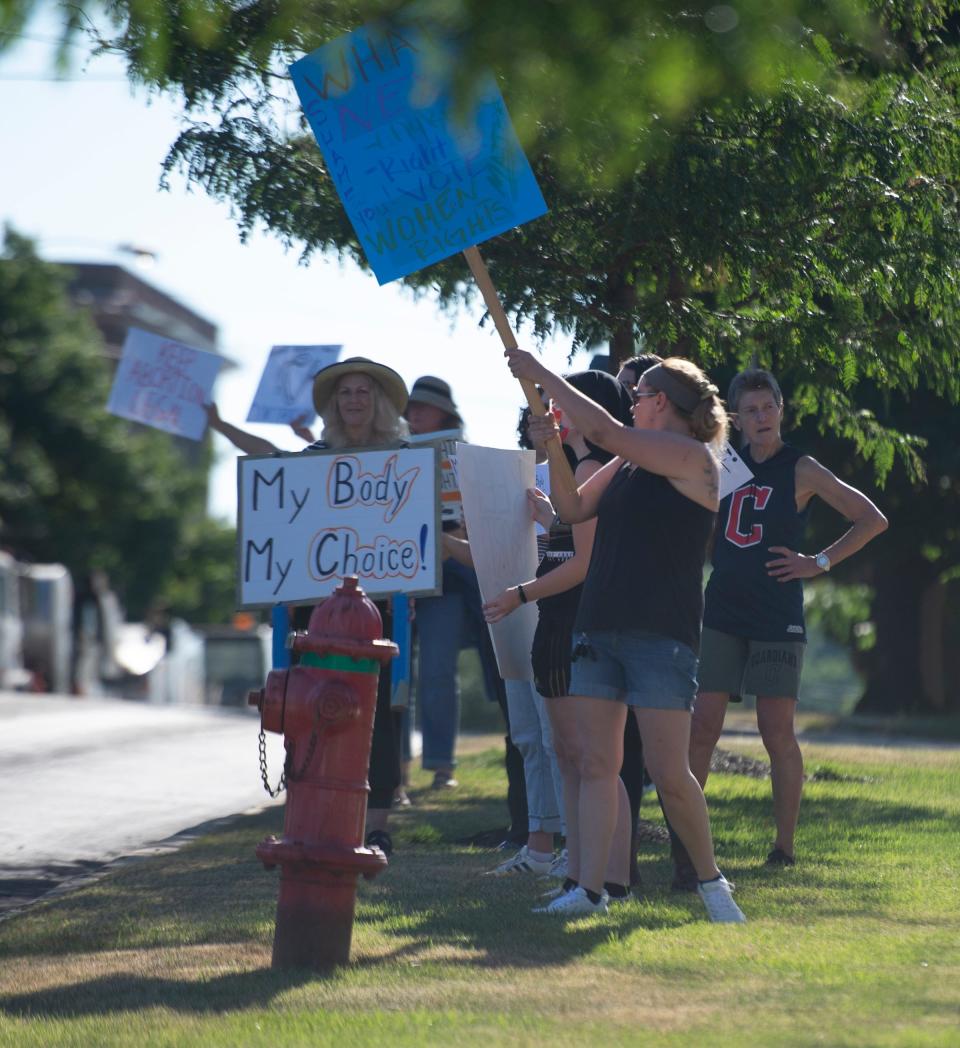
635 396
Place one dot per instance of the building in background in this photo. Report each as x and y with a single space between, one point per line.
118 300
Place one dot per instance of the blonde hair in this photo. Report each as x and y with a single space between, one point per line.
388 426
707 418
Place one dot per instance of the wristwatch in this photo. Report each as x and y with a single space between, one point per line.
823 562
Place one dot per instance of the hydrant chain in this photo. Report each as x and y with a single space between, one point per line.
282 784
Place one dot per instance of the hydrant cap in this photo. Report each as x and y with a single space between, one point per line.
348 613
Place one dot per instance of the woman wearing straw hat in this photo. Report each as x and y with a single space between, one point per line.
361 405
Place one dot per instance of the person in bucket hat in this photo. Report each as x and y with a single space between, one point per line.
431 407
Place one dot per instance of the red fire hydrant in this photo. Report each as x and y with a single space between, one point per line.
324 708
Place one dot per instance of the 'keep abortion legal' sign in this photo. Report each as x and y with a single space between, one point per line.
164 384
308 520
419 180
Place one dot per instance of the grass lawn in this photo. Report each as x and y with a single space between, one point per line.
857 945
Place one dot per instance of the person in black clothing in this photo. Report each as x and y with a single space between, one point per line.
556 589
638 626
754 632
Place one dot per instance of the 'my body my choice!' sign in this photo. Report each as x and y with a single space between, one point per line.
309 519
419 181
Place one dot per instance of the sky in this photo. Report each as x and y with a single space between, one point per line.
80 170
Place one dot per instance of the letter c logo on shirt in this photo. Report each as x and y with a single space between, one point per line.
733 532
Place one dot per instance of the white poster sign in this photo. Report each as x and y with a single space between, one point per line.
164 384
307 520
285 392
445 441
541 480
734 472
502 541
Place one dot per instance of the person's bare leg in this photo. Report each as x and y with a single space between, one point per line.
775 719
666 744
540 841
705 727
600 723
618 865
565 745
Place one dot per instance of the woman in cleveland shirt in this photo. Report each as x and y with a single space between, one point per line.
754 633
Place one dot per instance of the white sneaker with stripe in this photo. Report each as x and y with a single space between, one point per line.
522 862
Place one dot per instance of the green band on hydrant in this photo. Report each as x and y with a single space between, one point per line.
344 663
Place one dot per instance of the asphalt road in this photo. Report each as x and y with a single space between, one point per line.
84 781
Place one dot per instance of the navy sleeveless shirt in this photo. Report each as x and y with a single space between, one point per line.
646 570
742 599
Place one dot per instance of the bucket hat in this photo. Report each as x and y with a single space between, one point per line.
428 389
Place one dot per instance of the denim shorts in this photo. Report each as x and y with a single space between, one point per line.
642 669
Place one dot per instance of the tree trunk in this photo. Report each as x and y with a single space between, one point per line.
622 344
623 337
932 669
900 677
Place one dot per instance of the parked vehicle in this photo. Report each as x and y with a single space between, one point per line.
236 661
56 638
46 605
12 672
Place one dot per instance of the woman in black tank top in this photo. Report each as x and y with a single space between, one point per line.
556 589
639 616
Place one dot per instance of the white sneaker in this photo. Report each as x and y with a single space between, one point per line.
718 898
549 896
575 903
559 867
522 862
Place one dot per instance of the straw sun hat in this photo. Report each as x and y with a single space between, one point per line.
390 382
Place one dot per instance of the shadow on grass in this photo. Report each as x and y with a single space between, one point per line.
130 993
839 816
432 906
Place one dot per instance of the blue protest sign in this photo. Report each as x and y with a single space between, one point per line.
419 181
285 392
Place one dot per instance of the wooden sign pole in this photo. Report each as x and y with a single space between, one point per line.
555 453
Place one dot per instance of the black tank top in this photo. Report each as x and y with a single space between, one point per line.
742 599
646 571
560 610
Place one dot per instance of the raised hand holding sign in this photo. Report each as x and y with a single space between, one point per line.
420 178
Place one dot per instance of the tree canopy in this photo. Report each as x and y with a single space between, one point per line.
84 488
808 219
776 180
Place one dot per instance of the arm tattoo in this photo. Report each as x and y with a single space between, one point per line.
710 475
